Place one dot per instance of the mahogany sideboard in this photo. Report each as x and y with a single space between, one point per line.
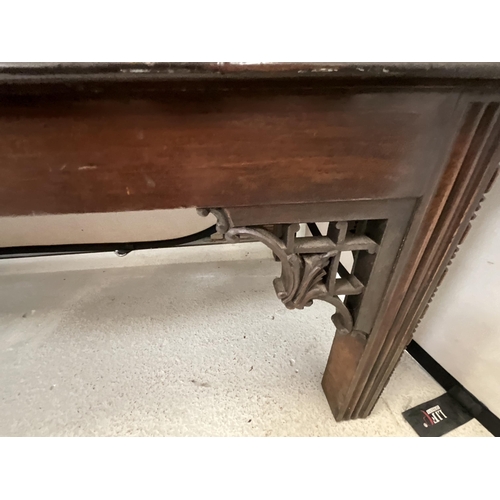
395 157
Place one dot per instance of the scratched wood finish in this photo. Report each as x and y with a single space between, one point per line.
183 149
276 143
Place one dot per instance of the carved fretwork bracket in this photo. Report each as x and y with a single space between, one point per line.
311 267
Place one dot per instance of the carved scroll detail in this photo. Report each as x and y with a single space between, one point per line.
221 215
306 266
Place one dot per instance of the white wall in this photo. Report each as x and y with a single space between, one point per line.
461 329
101 227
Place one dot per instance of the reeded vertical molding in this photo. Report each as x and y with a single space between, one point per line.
471 167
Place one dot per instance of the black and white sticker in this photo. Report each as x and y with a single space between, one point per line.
437 417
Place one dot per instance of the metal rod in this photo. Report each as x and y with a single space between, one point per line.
119 248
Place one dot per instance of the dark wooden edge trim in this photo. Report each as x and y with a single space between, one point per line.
319 212
455 389
386 72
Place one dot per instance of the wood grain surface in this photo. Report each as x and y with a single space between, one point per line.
61 154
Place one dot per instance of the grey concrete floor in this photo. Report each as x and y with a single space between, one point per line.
174 342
